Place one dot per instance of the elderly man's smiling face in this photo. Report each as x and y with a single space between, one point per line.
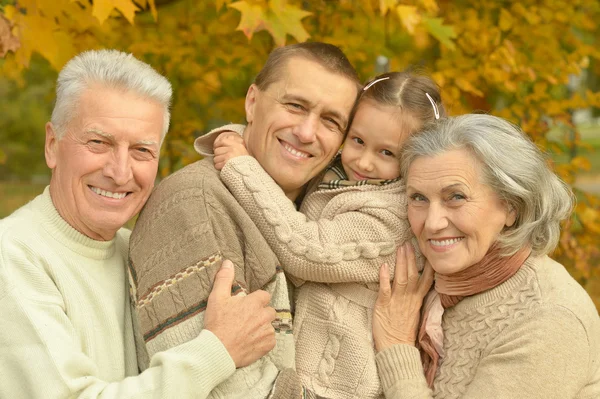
297 124
104 165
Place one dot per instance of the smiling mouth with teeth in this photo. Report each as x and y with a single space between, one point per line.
108 194
443 243
295 152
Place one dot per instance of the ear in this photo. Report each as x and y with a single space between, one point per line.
511 216
251 95
50 146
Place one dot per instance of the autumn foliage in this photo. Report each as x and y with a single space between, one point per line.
511 59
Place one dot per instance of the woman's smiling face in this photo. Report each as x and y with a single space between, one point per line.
455 216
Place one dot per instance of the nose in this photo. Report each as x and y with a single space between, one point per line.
437 219
364 162
118 167
306 129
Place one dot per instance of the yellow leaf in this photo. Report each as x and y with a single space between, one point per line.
103 8
506 20
409 17
581 163
285 20
385 5
253 16
430 5
466 86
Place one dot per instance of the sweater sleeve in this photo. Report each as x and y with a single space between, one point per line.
348 247
41 354
545 356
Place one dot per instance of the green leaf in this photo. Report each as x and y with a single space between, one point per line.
444 33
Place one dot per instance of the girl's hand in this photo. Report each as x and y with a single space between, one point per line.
228 145
398 308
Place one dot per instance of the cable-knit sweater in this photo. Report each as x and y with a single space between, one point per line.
65 319
339 239
537 335
190 223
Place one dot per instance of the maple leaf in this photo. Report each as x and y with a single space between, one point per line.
385 5
444 33
8 41
285 20
253 16
409 17
102 9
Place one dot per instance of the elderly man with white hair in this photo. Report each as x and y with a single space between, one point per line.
65 313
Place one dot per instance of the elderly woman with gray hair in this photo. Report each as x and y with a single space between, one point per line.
503 320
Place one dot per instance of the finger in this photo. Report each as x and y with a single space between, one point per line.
223 281
412 272
400 275
384 294
260 297
426 279
220 150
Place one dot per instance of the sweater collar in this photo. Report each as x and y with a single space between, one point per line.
64 233
522 277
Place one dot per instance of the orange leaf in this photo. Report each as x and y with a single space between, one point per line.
8 41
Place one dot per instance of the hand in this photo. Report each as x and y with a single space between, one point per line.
242 323
228 145
397 310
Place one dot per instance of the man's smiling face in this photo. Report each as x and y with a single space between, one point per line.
104 166
297 124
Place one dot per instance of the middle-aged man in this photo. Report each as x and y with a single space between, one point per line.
297 112
65 318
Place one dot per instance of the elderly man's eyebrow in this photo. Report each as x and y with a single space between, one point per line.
100 133
111 137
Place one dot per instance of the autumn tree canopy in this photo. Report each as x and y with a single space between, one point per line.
511 59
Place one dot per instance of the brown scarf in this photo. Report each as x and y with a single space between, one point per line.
449 290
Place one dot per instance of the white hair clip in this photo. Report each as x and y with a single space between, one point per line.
375 81
435 108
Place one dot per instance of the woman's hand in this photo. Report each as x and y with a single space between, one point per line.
397 310
228 145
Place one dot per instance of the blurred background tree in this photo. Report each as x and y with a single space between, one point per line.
535 63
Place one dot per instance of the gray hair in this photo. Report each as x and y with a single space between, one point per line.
109 68
512 166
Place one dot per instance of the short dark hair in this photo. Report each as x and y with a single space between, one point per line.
327 55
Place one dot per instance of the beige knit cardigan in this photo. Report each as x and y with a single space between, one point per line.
337 244
188 226
535 336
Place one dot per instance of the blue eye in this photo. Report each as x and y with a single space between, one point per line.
417 197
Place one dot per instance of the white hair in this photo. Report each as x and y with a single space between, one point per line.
112 69
512 166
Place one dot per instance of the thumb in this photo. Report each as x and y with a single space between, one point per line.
383 297
223 281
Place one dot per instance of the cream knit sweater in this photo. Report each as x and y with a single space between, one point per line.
65 319
339 239
535 336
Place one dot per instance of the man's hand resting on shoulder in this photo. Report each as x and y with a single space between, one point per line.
242 323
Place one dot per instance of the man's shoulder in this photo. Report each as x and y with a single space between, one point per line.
20 224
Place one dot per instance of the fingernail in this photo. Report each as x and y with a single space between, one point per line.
227 264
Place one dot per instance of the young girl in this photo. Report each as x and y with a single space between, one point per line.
346 228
